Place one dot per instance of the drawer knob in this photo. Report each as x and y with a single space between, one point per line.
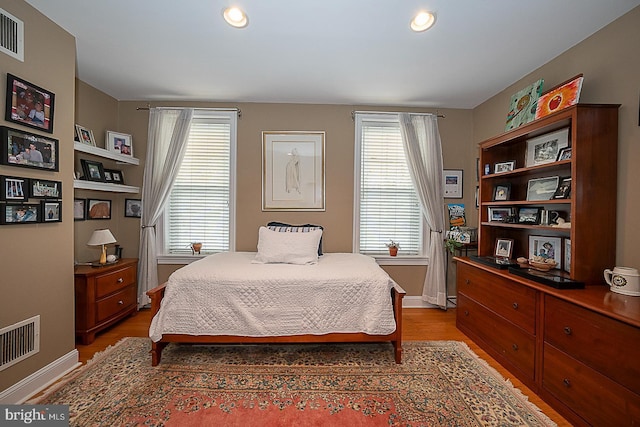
566 382
120 280
120 302
515 305
467 281
567 330
466 312
514 347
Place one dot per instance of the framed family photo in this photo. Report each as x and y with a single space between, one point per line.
546 148
504 166
85 136
293 177
20 213
14 189
504 248
546 247
25 149
51 211
29 105
93 171
120 143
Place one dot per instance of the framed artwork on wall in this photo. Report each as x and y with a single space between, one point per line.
24 213
29 105
98 209
51 211
45 189
79 209
25 149
452 180
14 189
133 208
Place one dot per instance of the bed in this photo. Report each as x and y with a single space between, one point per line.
239 297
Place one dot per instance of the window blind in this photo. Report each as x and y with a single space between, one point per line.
199 207
387 206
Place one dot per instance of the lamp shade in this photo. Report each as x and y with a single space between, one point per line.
101 237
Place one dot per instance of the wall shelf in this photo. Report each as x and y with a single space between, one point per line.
106 154
79 184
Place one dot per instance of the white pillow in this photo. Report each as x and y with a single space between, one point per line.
289 248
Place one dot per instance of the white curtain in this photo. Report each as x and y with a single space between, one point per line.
167 143
423 150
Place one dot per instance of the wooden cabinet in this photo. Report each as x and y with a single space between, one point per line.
103 296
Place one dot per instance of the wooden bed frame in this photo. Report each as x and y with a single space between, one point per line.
397 293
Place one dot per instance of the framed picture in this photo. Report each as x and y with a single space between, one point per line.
93 171
504 248
133 208
545 148
293 177
504 166
14 189
477 197
522 108
562 96
452 179
564 154
107 176
542 188
500 214
564 189
24 149
98 209
529 216
29 105
79 209
51 211
45 189
20 214
116 176
457 216
501 192
120 143
567 255
85 136
546 247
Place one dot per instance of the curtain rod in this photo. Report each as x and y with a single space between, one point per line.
353 113
148 107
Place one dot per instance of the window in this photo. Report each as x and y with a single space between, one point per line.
202 201
386 205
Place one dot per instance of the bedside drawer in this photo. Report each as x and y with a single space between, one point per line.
508 299
115 303
597 399
607 345
509 341
115 281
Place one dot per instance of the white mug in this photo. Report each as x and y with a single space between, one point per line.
623 280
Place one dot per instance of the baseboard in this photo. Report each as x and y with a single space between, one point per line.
416 302
39 380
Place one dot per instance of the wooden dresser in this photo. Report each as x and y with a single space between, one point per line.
104 295
578 349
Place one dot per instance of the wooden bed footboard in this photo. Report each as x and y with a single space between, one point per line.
397 294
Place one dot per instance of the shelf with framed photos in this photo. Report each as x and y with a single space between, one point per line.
80 184
105 154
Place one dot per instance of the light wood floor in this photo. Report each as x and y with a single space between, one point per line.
418 324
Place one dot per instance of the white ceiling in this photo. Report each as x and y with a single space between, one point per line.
356 52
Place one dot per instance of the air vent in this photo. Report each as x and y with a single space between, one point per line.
11 35
19 341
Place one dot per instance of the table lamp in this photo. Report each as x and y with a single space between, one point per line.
102 237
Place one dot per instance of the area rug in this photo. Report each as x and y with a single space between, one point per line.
440 383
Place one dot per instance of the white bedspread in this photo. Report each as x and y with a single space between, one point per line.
225 294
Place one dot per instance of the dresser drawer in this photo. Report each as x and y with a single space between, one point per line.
607 345
511 300
115 281
597 399
509 341
115 303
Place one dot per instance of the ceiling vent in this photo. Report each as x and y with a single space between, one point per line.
11 35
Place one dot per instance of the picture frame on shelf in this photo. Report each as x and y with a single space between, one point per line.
121 143
504 166
500 214
545 148
14 188
133 208
540 189
452 180
107 176
93 171
529 215
564 154
51 211
117 176
559 97
85 136
501 192
546 247
504 248
79 209
24 213
564 189
98 209
45 189
567 256
29 104
28 150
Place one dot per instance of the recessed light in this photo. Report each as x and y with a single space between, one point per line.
235 17
423 21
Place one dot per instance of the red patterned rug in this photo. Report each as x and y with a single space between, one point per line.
440 383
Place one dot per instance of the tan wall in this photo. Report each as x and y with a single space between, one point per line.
36 260
610 63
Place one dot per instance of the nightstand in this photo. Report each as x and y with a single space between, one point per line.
104 296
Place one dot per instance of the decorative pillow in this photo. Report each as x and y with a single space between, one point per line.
289 248
288 228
